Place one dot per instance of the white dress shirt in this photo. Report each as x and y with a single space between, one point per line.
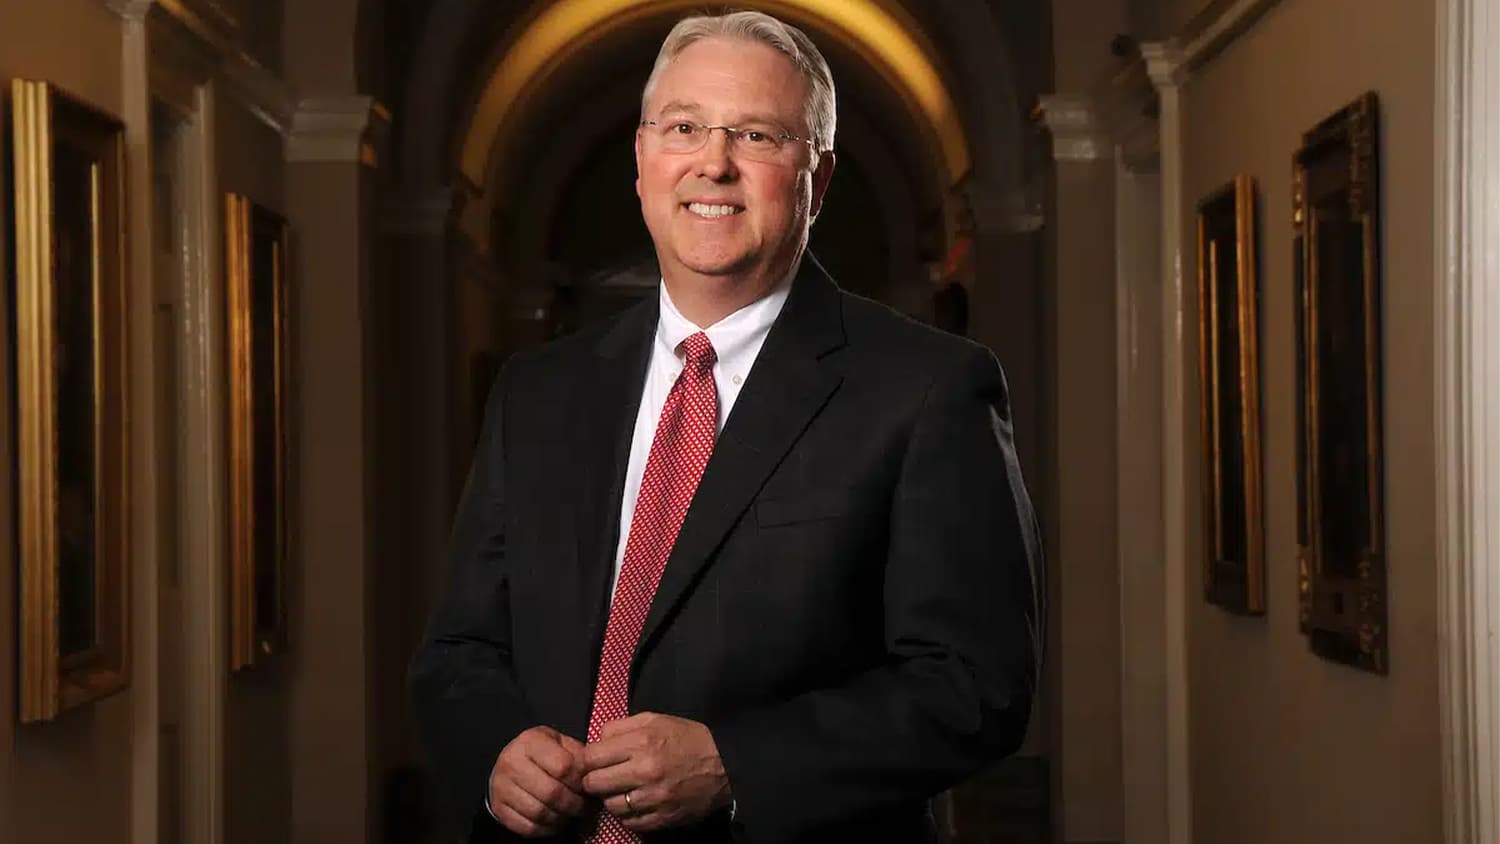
736 339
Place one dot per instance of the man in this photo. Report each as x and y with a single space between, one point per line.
753 562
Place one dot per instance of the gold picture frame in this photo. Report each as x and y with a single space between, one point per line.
1341 563
1229 399
256 259
68 180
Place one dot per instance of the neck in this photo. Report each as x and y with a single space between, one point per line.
707 299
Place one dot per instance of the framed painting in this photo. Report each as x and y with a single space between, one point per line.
68 178
1340 513
1229 399
256 257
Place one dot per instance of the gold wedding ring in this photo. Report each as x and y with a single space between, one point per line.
629 806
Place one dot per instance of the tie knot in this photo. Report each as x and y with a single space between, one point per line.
699 352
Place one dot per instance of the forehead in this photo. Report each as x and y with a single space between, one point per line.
723 78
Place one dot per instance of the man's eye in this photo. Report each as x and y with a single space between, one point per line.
756 137
683 128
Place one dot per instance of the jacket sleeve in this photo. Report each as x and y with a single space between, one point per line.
464 692
963 615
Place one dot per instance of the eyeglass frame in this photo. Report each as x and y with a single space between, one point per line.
732 133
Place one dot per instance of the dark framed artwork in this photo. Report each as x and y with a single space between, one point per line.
1340 513
256 258
68 177
1229 399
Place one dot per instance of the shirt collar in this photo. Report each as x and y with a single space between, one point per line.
736 338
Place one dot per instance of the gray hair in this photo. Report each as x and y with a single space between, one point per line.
822 118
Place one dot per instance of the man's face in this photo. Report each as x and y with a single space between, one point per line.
729 82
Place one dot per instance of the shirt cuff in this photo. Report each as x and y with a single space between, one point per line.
490 810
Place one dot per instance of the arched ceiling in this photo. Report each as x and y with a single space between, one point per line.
887 41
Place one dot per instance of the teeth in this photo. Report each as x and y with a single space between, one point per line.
712 210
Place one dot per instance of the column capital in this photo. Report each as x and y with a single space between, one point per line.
134 11
334 129
1074 123
1164 63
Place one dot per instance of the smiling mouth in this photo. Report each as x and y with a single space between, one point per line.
712 212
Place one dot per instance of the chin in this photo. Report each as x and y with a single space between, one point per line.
711 263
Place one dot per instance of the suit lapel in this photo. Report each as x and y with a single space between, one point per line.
604 419
787 387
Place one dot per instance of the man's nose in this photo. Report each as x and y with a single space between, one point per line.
716 159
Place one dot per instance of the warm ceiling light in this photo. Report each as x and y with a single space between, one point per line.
568 26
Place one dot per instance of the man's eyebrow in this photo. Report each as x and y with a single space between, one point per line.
768 119
681 106
684 107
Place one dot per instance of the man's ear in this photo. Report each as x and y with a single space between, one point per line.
637 162
822 175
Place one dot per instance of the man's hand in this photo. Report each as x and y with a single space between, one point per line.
536 785
668 766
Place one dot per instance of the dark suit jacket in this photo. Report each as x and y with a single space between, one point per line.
851 606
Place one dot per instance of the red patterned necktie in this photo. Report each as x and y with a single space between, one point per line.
684 438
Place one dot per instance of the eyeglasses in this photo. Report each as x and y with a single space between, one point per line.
757 143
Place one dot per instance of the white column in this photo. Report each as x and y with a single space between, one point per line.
1467 401
1163 63
142 574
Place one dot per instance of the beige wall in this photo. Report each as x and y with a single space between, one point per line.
1081 32
1083 541
1285 746
83 758
1083 555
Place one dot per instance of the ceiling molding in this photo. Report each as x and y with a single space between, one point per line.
216 32
1204 37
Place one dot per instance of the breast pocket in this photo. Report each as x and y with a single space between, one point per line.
805 506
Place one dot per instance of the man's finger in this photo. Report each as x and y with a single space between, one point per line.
514 797
519 824
643 801
606 752
613 779
627 724
549 792
560 764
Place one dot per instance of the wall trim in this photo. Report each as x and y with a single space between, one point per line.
1216 27
249 82
1467 269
